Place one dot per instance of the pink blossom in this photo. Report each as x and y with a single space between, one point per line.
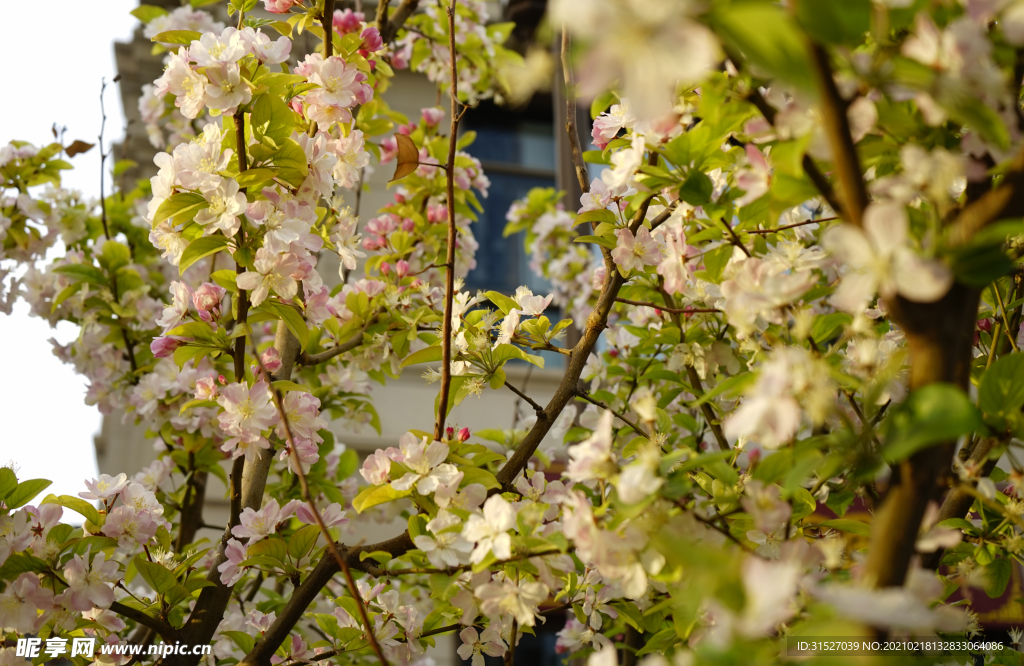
90 584
332 516
259 621
635 252
247 413
257 524
273 273
104 487
346 21
755 179
230 573
432 116
402 268
131 528
178 308
428 471
376 467
19 603
206 388
207 300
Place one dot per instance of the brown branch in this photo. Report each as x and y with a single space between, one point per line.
446 325
522 396
382 16
165 630
324 356
791 226
586 396
733 238
405 9
666 308
327 23
304 487
837 128
575 148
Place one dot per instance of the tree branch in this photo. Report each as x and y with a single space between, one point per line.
159 626
837 128
575 148
522 396
405 9
666 308
453 135
586 396
327 23
324 356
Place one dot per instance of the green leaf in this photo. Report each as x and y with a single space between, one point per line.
592 216
83 273
767 35
507 352
997 576
25 492
292 319
848 525
201 247
285 385
504 303
1001 393
8 481
300 543
931 415
158 577
980 263
253 177
226 279
477 475
375 495
185 37
604 241
19 563
147 13
426 355
835 21
180 207
244 641
76 504
271 117
697 188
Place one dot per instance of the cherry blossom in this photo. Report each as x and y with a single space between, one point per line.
89 582
273 273
428 471
489 531
634 252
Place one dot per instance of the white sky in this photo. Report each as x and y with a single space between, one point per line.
50 70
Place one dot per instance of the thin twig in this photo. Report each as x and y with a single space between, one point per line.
575 148
586 396
446 325
791 226
522 396
165 630
348 345
666 308
734 238
304 487
1002 312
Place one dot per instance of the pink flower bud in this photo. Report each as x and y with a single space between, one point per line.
164 346
278 6
449 432
385 268
222 380
296 105
985 325
207 300
346 20
206 388
271 360
408 225
432 116
402 268
464 434
371 39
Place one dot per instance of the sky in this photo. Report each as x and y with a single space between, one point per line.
50 69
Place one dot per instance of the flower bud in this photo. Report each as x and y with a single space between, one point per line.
449 432
464 434
164 346
371 39
402 268
385 268
278 6
271 360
